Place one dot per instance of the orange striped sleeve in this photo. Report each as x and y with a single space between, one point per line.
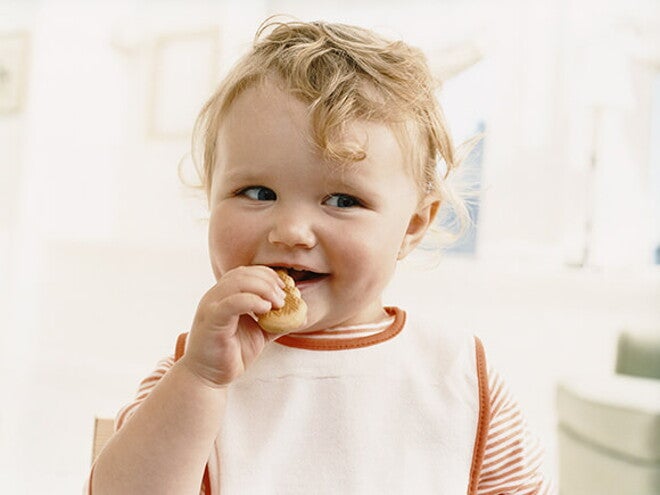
513 457
144 389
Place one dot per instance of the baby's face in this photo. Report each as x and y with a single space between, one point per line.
275 202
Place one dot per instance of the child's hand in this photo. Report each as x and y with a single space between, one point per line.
224 339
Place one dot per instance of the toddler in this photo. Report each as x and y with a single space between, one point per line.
319 158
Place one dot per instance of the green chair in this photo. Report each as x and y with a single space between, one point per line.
639 354
609 426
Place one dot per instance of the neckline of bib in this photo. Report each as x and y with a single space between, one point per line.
328 342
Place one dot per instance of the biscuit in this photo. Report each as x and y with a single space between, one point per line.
290 316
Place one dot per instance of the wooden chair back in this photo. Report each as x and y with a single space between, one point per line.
103 430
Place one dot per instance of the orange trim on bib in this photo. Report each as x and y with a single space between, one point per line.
180 348
484 418
330 344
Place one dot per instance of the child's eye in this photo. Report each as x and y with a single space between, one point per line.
258 193
343 201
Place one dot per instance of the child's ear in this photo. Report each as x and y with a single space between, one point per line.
420 222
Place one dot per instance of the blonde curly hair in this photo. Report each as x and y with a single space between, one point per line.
345 73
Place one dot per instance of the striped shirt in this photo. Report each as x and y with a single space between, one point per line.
512 460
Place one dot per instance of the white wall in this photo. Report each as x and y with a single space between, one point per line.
103 257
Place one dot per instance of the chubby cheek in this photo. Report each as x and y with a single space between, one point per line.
229 244
365 262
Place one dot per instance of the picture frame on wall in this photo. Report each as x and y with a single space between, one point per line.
14 53
184 73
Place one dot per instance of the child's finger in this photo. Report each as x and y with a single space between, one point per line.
242 283
262 271
271 273
226 311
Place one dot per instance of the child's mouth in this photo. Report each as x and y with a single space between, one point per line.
301 276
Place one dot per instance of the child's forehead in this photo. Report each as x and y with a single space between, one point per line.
266 116
268 98
266 128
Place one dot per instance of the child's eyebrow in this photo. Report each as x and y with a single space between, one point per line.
349 178
339 185
242 175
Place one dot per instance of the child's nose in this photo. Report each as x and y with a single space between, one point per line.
292 229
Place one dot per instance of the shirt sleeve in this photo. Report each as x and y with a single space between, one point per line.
144 389
513 457
124 414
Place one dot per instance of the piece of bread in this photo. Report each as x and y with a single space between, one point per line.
290 316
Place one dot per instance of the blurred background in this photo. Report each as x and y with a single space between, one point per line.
103 254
